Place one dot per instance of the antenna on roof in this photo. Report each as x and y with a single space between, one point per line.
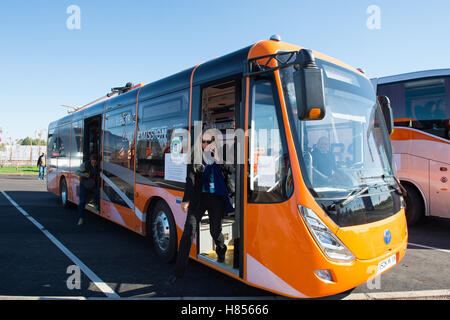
117 90
74 109
121 90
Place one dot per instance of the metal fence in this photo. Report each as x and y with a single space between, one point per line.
20 155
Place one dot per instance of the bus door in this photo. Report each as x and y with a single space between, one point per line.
268 187
118 166
220 116
92 146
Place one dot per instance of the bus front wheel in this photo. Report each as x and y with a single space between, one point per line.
414 205
164 232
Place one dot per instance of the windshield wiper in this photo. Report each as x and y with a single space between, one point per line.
399 189
350 197
397 186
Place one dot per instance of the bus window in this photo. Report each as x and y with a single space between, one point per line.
160 120
268 154
76 149
64 147
52 143
421 104
118 157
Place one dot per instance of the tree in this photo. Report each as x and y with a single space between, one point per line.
28 141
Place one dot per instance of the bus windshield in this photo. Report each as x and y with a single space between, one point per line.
345 157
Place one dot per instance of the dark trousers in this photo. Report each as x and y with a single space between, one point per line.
215 206
84 192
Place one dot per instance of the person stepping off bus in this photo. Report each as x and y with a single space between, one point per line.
88 173
205 190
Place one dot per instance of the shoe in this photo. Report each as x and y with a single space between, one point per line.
80 221
221 255
172 280
93 206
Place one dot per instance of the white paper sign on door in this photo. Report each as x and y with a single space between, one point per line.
266 171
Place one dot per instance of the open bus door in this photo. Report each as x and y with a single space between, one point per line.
221 110
92 146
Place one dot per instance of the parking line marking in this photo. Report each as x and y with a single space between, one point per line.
41 298
88 272
419 294
427 247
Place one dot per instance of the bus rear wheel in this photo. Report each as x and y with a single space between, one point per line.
415 207
63 196
164 232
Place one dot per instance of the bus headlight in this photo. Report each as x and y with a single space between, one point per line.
329 243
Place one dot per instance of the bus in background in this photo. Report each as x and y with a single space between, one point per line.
420 102
317 206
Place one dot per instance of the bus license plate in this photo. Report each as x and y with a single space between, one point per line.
386 263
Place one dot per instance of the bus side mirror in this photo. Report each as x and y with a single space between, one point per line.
309 87
385 104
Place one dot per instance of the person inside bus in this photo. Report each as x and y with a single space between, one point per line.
438 119
323 159
205 190
88 173
418 116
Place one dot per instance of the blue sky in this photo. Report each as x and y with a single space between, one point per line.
43 64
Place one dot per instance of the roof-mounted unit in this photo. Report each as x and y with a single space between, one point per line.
121 90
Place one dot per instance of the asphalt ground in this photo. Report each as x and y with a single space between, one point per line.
37 250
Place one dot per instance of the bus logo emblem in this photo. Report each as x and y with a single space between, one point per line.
387 236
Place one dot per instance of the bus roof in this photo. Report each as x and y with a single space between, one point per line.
218 68
411 76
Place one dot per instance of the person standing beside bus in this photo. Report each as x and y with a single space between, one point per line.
42 165
88 173
205 190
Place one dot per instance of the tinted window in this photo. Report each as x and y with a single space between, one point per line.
76 148
162 122
118 156
64 141
421 104
52 143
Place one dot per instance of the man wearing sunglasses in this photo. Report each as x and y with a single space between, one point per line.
205 190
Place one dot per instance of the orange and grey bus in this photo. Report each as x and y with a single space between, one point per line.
317 206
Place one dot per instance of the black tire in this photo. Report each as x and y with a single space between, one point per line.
63 195
163 232
415 208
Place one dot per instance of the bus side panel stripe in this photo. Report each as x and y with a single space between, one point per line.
113 214
263 277
124 197
171 197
